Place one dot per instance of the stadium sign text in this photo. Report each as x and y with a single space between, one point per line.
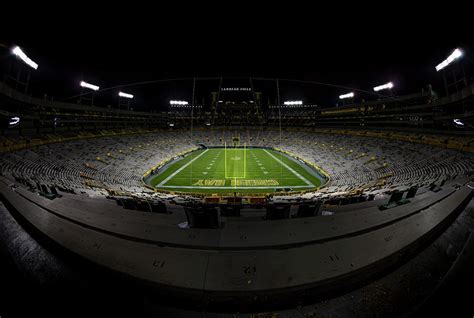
236 89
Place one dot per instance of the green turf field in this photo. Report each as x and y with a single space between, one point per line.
241 170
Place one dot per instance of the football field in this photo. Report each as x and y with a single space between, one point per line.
241 170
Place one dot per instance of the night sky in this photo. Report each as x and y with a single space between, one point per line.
349 54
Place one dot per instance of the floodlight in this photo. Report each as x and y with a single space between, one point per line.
457 53
348 95
122 94
388 85
178 102
295 102
18 52
90 86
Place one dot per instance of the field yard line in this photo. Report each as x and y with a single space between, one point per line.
180 169
291 169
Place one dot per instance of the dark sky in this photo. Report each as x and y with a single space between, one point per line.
349 53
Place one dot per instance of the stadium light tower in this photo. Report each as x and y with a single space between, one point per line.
457 53
178 102
18 52
346 96
89 86
293 102
85 85
122 94
124 97
388 85
454 56
343 97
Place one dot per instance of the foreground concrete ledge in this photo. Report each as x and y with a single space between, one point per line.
224 272
163 229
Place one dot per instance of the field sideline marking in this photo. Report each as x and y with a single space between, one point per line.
180 169
291 169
